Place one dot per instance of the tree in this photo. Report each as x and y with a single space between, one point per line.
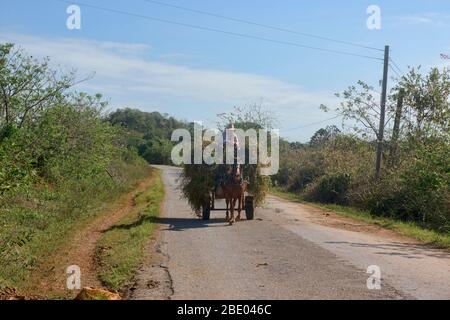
148 132
361 106
324 135
151 125
426 100
250 116
27 86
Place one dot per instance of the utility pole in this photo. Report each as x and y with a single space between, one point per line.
382 113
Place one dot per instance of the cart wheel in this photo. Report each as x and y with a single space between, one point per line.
249 208
206 211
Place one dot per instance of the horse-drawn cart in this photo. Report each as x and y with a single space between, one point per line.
202 184
216 194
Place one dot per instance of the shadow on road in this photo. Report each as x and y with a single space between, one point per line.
173 224
180 224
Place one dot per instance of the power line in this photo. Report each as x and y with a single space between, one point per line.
311 124
393 69
261 25
396 65
242 35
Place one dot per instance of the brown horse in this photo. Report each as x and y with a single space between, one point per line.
234 192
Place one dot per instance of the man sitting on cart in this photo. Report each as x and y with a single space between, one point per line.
230 140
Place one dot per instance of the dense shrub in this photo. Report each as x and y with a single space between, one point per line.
303 176
156 151
418 191
53 173
60 162
299 166
330 189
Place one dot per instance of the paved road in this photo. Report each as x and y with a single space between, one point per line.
290 251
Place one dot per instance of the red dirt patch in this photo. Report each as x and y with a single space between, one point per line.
80 249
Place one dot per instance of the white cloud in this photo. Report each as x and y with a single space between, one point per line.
433 19
124 47
123 74
415 19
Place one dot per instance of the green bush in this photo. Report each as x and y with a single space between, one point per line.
157 151
418 191
299 166
303 177
36 215
330 189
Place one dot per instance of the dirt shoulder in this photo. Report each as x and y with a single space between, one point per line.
330 218
350 219
80 248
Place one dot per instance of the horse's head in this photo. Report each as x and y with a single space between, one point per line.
236 178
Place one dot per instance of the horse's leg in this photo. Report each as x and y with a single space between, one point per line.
239 208
233 203
227 202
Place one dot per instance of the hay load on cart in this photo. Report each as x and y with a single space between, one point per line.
201 187
201 184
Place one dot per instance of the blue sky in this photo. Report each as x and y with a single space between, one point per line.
194 74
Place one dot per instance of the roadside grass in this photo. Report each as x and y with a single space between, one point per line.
37 222
409 229
120 251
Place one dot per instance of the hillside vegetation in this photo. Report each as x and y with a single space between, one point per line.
61 162
149 133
